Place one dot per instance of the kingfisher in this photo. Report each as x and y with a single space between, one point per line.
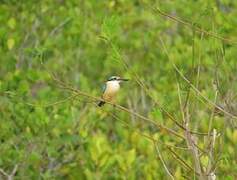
111 88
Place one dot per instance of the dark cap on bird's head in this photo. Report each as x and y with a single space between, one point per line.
117 78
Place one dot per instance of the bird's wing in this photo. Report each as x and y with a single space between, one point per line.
103 88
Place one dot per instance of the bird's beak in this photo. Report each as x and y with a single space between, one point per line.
122 79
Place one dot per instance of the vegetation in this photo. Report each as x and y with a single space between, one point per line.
176 118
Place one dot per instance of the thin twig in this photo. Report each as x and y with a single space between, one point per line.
196 28
67 20
162 160
9 176
145 135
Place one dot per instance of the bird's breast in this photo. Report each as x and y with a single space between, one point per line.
112 87
111 90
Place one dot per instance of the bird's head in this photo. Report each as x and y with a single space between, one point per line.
116 79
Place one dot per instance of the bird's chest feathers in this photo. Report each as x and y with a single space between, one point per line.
111 88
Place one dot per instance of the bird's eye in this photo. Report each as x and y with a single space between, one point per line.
113 79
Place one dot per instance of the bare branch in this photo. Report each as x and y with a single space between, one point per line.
197 29
162 160
9 176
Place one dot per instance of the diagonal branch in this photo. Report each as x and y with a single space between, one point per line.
195 28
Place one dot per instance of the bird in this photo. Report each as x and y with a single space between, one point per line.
110 89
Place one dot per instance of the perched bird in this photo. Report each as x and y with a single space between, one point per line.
110 89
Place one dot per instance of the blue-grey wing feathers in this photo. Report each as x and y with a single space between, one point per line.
103 88
101 103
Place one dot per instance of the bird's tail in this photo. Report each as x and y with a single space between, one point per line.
101 103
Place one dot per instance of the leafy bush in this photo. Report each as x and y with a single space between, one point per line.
180 115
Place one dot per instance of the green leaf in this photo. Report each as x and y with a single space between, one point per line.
130 157
11 23
10 43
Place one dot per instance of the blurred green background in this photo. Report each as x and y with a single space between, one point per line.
82 43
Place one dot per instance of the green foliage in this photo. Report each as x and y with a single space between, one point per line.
85 42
